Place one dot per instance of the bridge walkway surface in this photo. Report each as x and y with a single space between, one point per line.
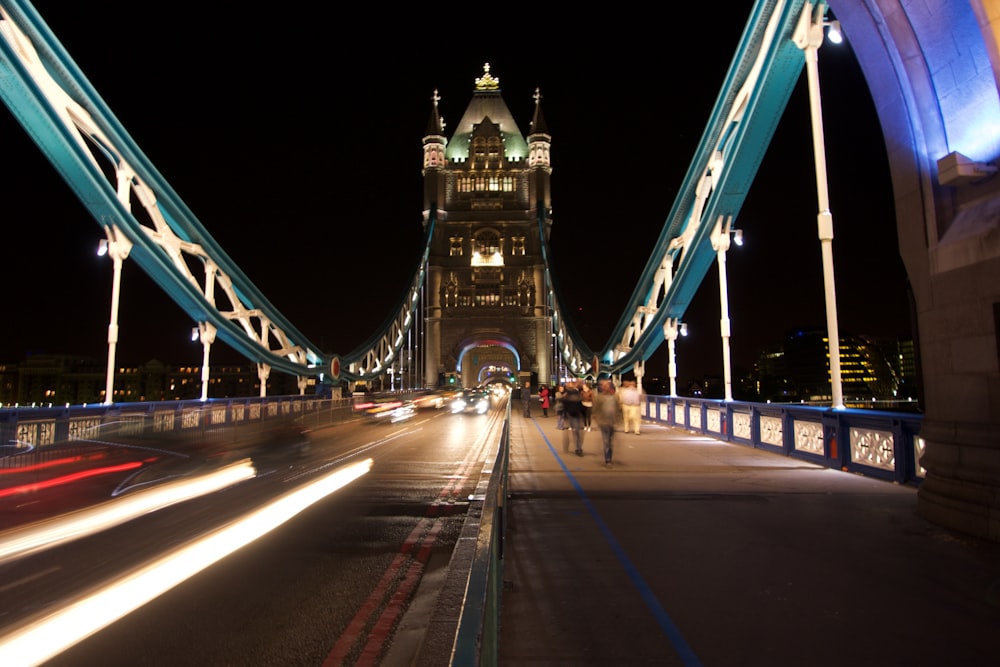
693 551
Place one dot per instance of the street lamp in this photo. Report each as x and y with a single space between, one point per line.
118 247
671 329
205 331
720 243
808 36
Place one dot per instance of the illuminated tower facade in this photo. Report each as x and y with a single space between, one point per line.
486 311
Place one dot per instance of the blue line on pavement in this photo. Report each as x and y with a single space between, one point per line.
662 618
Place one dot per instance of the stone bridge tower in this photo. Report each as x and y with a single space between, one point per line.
486 310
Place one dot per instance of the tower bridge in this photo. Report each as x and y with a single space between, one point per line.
483 277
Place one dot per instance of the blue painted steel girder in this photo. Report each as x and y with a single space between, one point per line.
756 90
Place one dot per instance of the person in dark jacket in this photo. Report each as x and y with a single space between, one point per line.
605 414
573 413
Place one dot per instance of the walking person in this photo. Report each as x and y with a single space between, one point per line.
543 396
560 415
587 397
573 410
605 413
526 398
630 398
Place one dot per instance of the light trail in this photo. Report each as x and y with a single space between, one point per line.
41 640
19 542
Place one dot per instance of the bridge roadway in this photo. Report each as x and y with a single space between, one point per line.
691 551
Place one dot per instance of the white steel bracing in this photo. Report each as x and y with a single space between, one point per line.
760 80
64 115
58 107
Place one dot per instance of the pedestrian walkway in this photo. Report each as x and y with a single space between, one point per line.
692 551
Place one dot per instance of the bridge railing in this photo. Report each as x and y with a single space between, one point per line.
881 444
464 629
29 436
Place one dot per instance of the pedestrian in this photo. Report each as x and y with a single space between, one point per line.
560 415
605 413
526 399
543 396
587 397
630 398
573 410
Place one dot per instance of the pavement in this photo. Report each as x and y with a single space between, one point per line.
693 551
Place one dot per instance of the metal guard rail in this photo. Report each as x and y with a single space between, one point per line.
881 444
465 627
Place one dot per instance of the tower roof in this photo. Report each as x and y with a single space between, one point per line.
487 103
435 125
538 125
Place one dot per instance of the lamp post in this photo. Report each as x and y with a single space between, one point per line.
671 328
118 247
205 331
808 36
720 243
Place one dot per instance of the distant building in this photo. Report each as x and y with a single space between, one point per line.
871 369
64 379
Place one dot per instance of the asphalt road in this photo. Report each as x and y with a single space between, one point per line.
331 586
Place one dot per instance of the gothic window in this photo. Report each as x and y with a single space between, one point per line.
488 298
488 243
456 246
487 249
517 245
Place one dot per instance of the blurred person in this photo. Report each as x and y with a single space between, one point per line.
543 396
587 397
560 415
605 413
573 411
526 399
630 398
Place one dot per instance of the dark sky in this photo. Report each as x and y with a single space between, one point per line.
296 141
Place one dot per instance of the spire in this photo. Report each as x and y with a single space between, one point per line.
539 141
538 125
434 140
435 126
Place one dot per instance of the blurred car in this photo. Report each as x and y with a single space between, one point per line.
475 400
388 411
434 400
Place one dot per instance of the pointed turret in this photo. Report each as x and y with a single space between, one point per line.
434 140
435 144
539 140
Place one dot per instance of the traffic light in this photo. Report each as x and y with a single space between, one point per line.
451 378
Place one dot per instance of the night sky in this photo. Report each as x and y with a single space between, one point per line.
296 141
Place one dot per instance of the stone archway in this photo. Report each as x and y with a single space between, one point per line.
925 68
478 355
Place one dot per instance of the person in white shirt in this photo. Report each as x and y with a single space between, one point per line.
630 397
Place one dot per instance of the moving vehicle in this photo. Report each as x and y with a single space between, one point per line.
431 399
475 400
388 411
